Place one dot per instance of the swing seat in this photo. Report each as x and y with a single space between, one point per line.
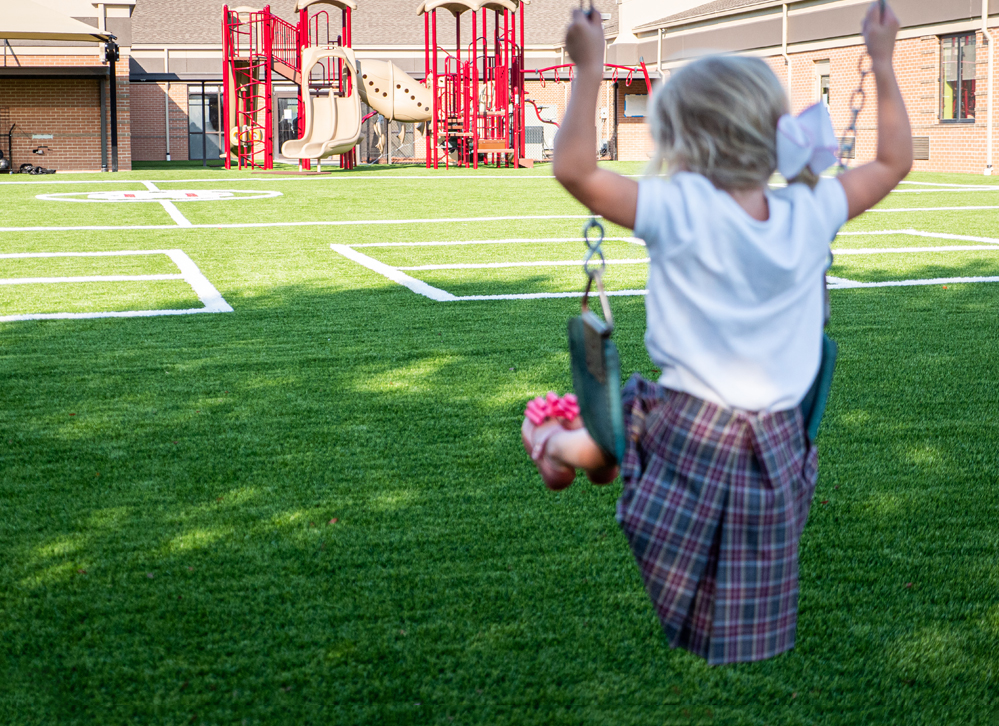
596 380
813 405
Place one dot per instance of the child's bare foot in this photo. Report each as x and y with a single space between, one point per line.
555 475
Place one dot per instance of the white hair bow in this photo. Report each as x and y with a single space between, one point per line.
808 140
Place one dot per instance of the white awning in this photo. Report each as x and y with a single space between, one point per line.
26 20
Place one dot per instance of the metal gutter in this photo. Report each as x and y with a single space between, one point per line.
989 131
787 58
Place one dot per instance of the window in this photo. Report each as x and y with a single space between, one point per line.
204 122
822 80
635 105
957 75
287 121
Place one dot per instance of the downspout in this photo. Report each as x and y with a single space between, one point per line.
659 58
166 100
787 59
989 133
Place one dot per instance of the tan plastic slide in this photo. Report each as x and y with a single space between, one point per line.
393 93
332 123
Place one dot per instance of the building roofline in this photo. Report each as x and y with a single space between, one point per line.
679 19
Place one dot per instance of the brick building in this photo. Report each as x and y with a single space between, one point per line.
54 91
171 58
176 73
944 61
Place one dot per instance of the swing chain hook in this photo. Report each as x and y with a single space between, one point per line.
594 249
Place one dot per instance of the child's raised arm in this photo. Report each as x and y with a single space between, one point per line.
575 165
867 185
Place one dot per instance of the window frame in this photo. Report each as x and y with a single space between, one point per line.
959 61
204 91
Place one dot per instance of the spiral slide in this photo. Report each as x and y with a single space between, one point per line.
393 93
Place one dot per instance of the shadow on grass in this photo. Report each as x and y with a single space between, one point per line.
170 553
987 265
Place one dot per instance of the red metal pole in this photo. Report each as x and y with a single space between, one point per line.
520 86
435 94
426 75
268 89
474 95
645 72
225 88
301 43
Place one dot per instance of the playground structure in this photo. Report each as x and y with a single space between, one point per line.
471 103
478 100
256 45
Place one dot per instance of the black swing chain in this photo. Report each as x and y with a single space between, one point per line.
848 147
595 273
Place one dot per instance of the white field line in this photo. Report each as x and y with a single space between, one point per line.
917 233
126 253
170 207
289 177
86 278
537 263
379 222
388 177
396 274
209 296
417 286
517 240
993 188
929 209
645 260
544 295
901 250
944 184
839 283
259 225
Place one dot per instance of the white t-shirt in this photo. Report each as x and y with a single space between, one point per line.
735 305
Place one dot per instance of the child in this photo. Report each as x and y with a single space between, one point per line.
719 472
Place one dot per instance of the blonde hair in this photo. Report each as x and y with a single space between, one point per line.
718 117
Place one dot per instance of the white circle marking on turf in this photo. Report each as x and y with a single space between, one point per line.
172 195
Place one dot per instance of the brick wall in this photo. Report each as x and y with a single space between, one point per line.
634 140
954 147
149 107
557 95
68 109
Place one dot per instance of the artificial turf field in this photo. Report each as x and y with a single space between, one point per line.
315 509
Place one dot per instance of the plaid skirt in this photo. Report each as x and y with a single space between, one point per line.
713 506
